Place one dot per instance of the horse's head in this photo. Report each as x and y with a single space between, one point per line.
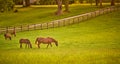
30 45
56 43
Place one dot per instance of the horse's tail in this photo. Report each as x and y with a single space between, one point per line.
36 40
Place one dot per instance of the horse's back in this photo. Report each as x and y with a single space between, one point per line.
7 35
45 40
24 41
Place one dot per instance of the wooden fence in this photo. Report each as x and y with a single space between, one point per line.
61 22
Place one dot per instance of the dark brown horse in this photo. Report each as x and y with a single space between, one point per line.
7 35
25 41
47 40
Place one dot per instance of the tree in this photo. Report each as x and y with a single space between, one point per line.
100 3
81 1
59 11
112 2
66 3
97 2
26 3
18 2
90 1
6 5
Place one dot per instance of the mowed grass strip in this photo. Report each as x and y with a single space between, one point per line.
34 15
95 41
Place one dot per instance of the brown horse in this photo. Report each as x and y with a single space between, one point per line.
25 41
13 33
47 40
7 35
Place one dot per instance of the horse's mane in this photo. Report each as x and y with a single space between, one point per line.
38 38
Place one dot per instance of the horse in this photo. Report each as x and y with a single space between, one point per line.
47 40
7 35
13 33
25 41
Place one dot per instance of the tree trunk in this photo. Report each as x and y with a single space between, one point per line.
66 3
26 3
112 2
91 2
100 3
59 11
97 2
81 1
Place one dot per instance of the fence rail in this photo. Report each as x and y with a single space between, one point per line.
61 22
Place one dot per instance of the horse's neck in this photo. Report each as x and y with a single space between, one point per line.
54 41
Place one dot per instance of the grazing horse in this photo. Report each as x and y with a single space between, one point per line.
25 41
13 33
47 40
7 35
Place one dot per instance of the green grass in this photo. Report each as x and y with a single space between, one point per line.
33 15
95 41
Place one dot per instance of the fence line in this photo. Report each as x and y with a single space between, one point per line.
61 22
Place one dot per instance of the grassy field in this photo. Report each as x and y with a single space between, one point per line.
96 41
33 15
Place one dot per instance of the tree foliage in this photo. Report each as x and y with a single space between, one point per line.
6 5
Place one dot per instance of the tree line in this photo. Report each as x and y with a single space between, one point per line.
6 5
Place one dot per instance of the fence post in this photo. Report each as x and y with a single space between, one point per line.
110 9
53 24
21 28
0 30
78 19
64 22
82 18
73 21
99 12
95 13
69 22
14 29
41 26
34 26
7 29
28 27
103 11
47 25
58 23
115 8
87 16
91 14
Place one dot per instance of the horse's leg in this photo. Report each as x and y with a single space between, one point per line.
20 45
5 38
47 45
14 34
10 38
50 44
26 46
38 45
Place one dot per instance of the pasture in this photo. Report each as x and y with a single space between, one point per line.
95 41
34 15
